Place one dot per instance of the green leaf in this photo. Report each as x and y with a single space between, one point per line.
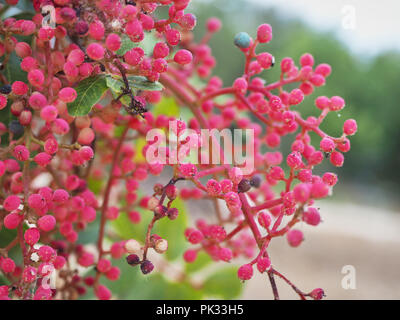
89 93
174 231
142 83
202 260
224 283
127 230
166 106
126 45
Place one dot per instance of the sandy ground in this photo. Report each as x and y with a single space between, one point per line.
364 237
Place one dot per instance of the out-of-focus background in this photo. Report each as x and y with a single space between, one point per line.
361 228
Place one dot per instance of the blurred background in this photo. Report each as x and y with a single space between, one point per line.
360 40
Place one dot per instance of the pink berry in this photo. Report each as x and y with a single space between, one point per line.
113 274
104 265
42 159
29 274
160 50
95 51
51 146
36 77
49 113
173 37
295 237
312 216
11 203
195 237
46 223
102 292
307 60
190 255
337 158
183 57
245 272
264 33
317 294
67 94
213 187
46 253
32 236
19 88
327 145
263 264
323 69
12 220
113 42
60 196
301 192
337 103
86 153
294 160
350 127
213 24
330 178
86 259
7 265
225 254
96 30
21 153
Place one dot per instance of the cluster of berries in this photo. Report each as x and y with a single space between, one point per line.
48 157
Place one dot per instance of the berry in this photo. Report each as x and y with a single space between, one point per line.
190 256
7 265
6 89
242 40
104 265
113 42
16 127
264 33
295 237
95 51
244 185
21 153
312 217
67 94
213 24
32 236
327 145
183 57
132 246
102 292
46 223
350 127
12 220
245 272
263 264
317 294
133 259
337 158
146 267
11 203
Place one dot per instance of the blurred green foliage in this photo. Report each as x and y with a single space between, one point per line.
369 86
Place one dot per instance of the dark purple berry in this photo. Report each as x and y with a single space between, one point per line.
244 185
81 27
16 128
146 267
133 259
172 213
6 89
255 181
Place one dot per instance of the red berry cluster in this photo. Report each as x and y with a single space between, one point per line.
49 155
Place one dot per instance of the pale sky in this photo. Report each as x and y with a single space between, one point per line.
376 22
